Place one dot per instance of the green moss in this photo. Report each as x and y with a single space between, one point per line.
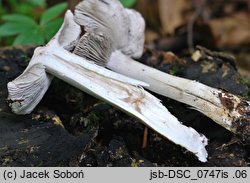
245 82
173 70
119 154
3 148
134 163
6 161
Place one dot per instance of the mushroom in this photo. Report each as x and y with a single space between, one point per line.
122 27
87 74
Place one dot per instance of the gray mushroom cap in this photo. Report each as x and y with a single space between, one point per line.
109 27
27 90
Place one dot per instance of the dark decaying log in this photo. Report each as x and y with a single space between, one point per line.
215 69
39 140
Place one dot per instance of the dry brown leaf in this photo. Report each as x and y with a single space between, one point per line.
173 14
150 12
231 31
151 36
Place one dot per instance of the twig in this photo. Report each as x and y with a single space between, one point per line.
197 13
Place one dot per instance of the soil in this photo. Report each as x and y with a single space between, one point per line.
72 128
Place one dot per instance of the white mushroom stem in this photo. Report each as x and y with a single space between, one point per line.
120 91
99 17
224 108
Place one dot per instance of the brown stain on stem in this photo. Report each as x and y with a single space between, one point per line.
227 100
241 124
135 100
